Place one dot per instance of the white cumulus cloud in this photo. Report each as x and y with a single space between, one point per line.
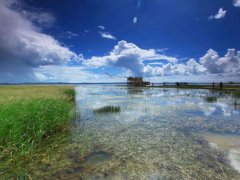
236 3
229 63
221 14
191 67
227 66
24 47
128 56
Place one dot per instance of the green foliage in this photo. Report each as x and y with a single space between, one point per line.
108 109
70 93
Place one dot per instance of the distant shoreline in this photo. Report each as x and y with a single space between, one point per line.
226 86
209 87
123 83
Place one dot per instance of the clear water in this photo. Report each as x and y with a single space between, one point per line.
156 135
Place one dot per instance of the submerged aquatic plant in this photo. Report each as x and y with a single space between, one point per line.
108 109
236 94
211 99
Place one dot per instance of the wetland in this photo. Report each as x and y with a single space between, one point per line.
142 133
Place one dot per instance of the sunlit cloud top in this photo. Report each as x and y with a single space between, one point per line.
161 41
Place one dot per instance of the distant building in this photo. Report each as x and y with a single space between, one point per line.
137 81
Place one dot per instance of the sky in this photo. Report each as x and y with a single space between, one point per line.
79 41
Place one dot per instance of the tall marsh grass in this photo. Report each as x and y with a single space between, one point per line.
107 109
29 114
211 99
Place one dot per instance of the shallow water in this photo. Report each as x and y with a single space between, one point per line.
229 144
154 136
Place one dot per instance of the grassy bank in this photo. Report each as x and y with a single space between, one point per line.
30 114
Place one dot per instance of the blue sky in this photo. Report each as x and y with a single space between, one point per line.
106 41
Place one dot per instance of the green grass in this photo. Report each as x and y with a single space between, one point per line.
70 93
30 114
108 109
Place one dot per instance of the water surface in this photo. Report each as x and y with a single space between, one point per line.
158 134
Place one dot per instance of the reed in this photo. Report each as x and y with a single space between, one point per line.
211 99
108 109
30 114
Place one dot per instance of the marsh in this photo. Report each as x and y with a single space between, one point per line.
159 133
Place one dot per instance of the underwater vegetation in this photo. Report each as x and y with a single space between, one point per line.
29 115
236 94
211 99
108 109
145 150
